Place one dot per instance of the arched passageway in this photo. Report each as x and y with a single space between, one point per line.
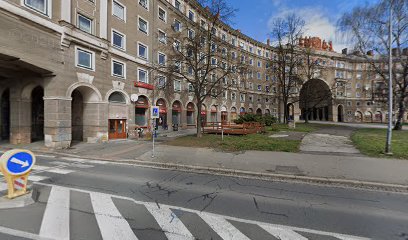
316 100
37 114
5 115
85 114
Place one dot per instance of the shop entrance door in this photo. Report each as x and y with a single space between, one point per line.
117 128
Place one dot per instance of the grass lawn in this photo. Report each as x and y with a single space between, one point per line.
261 142
372 142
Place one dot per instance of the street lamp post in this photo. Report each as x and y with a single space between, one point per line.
388 150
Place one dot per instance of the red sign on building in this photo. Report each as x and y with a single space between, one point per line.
144 85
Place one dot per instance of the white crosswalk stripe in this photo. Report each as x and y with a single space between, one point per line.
56 216
283 234
38 171
113 226
169 222
111 223
222 227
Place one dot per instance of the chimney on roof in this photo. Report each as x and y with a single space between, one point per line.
344 51
268 42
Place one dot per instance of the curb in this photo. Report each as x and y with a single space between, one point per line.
247 174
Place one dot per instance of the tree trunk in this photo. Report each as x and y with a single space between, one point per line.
306 116
199 122
400 117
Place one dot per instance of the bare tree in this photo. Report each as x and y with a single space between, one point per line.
200 57
285 34
368 27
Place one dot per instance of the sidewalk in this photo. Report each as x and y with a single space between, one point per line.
298 164
316 159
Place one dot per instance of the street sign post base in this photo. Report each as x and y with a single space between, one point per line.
17 185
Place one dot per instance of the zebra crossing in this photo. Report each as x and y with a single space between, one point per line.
42 172
114 217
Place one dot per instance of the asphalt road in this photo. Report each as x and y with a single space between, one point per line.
82 199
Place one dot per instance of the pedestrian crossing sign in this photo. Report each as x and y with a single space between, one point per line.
155 112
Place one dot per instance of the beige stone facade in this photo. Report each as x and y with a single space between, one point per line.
68 69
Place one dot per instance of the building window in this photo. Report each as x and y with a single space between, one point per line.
233 41
142 75
85 59
162 37
144 3
233 96
143 25
162 81
259 64
259 75
191 15
118 69
142 51
177 26
242 97
84 23
177 85
162 15
118 40
259 87
190 87
119 10
177 5
177 45
190 33
41 6
162 59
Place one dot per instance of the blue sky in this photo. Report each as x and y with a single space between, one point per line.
254 16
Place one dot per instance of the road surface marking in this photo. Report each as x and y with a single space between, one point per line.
57 169
282 233
111 223
168 216
55 222
169 222
21 234
223 228
36 178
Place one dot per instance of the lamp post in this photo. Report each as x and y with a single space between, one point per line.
388 150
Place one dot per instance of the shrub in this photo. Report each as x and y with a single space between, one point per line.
268 120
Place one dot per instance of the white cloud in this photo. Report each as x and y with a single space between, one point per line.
316 24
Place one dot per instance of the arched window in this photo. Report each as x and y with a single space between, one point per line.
117 97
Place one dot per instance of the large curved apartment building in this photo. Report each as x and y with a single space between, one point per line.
68 69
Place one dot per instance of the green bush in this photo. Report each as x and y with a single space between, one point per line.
268 120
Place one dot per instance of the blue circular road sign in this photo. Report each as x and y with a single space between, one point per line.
19 163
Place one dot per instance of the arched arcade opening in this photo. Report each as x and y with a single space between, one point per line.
5 115
316 101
